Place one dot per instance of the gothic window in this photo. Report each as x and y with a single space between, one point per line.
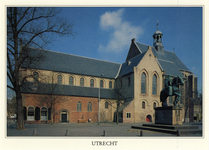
71 80
92 83
154 84
101 83
143 83
154 105
110 84
79 106
81 81
59 79
89 106
143 105
106 105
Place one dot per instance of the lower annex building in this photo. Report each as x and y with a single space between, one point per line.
69 88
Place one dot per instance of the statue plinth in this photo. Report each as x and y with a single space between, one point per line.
170 115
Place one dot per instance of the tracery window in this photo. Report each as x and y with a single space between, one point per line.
143 83
154 84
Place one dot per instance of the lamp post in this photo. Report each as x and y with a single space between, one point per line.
99 101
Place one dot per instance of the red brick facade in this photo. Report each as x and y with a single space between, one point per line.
66 104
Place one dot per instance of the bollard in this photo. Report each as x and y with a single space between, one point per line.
141 133
103 132
34 132
178 133
67 132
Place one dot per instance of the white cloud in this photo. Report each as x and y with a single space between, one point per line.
122 33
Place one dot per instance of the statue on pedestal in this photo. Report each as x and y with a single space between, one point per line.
171 89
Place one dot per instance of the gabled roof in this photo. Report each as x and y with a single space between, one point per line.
61 62
168 61
128 66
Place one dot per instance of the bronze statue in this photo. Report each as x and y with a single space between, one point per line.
171 89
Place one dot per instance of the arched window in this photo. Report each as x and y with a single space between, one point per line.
110 84
143 83
101 83
59 79
81 81
106 105
43 113
154 105
143 105
31 113
92 83
71 80
79 106
35 76
154 84
89 106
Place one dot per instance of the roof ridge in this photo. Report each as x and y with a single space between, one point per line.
77 55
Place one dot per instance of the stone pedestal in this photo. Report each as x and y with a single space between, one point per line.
170 115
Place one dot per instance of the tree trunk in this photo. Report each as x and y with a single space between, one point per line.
20 117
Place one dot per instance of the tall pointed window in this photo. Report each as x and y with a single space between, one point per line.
143 83
154 105
110 84
154 85
81 81
143 105
92 83
59 79
79 106
71 80
101 83
89 106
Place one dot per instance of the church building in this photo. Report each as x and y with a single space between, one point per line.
73 89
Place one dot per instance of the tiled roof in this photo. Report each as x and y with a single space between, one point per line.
68 63
68 90
128 66
168 61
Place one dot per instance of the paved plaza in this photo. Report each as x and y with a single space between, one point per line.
83 130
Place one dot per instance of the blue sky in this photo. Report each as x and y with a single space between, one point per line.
105 32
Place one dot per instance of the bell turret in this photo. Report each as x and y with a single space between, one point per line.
157 40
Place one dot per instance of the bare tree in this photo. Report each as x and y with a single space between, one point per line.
119 91
29 27
51 93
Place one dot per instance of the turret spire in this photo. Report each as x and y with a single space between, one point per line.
157 39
